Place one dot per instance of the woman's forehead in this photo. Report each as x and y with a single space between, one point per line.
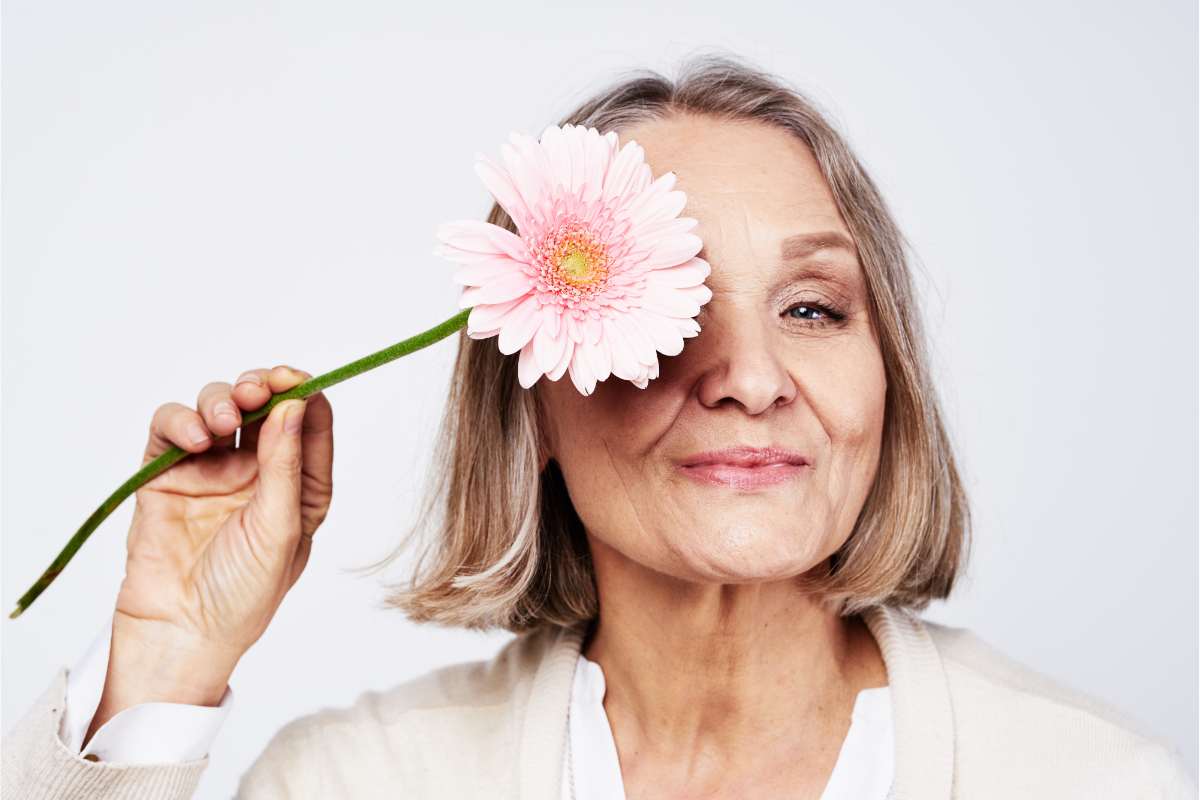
744 180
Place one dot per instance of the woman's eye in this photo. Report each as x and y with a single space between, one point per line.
814 313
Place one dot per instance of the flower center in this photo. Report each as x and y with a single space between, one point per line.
572 261
576 265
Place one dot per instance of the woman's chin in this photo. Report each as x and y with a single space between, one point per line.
740 555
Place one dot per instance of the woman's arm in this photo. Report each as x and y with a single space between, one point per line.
147 733
37 763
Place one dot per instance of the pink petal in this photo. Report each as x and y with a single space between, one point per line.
581 375
689 273
487 316
485 271
597 358
552 318
477 236
507 287
652 232
527 180
504 189
592 329
624 363
639 339
548 348
519 325
528 371
653 203
573 326
622 175
554 142
469 297
673 251
577 147
568 354
669 302
666 336
598 153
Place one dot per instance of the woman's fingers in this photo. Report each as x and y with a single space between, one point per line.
219 412
273 381
176 425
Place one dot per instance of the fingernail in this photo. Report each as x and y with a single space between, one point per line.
197 433
249 377
226 409
294 418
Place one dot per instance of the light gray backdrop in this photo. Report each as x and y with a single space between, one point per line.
191 190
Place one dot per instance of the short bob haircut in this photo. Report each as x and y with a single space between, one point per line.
504 547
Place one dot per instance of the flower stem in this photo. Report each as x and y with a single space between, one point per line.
176 454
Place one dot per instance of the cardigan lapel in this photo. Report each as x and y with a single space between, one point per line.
921 710
544 728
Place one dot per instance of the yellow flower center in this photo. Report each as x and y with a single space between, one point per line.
576 265
573 263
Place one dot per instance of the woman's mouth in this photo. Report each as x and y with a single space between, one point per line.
737 477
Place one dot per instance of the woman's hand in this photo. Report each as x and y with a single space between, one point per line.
218 539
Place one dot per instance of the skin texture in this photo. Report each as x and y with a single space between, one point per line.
217 540
724 678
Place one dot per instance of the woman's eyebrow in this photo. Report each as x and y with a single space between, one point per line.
803 245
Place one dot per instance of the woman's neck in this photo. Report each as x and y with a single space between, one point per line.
725 684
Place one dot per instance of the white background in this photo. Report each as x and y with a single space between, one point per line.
193 190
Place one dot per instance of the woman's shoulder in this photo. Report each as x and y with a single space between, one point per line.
454 725
495 683
1006 710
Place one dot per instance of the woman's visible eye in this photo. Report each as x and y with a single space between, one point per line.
816 314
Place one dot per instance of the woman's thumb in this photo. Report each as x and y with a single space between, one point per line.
279 460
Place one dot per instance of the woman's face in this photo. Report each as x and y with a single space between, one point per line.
774 365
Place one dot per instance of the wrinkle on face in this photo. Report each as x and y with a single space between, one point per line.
750 187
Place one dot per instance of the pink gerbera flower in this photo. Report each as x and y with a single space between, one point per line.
604 274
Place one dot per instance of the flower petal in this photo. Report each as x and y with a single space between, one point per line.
504 189
639 339
548 348
506 287
477 236
528 371
485 271
554 142
623 174
568 354
669 302
519 325
673 251
689 273
581 374
487 316
665 334
624 361
643 305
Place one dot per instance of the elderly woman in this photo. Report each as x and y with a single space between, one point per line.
714 579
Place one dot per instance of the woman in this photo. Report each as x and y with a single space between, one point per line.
715 579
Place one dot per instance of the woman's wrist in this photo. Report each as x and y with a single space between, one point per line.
155 668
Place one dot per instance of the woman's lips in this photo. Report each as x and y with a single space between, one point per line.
740 477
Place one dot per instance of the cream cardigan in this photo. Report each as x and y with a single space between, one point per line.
969 723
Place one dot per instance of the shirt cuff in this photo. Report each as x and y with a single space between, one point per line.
147 733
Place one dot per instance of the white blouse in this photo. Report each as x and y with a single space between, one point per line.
863 771
154 733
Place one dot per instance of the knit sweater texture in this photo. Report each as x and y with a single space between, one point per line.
970 724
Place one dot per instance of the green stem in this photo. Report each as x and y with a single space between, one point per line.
176 454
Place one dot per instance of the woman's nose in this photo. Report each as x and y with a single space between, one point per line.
739 356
